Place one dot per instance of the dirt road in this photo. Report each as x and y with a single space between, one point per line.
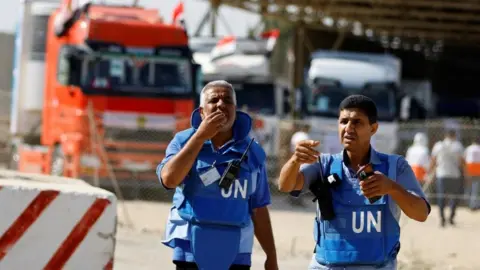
424 245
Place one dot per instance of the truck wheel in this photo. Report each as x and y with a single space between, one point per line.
58 161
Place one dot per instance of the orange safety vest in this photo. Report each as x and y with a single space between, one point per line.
417 157
472 160
419 172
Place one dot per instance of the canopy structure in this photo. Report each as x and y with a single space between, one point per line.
450 21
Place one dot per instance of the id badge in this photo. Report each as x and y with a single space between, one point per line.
210 176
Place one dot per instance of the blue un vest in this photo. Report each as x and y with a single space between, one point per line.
362 233
212 205
216 216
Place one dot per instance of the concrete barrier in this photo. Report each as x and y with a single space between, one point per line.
55 223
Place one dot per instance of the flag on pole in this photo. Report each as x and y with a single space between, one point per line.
271 36
178 15
225 47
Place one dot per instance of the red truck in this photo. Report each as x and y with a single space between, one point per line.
98 90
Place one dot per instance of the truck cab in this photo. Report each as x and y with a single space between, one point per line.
332 76
118 83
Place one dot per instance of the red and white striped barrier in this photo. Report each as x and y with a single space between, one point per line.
54 226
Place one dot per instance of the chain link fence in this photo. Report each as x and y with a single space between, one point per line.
130 146
135 152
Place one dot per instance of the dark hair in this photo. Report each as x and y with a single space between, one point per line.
451 133
363 103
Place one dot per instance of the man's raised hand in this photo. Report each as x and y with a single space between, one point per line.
211 124
305 152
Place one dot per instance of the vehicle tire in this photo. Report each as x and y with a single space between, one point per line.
58 161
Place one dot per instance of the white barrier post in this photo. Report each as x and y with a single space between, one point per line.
57 225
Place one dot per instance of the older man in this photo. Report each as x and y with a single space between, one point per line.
357 218
212 224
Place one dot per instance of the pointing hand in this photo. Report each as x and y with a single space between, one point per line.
305 151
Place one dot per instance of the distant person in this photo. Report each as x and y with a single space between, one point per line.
472 160
418 156
301 134
448 163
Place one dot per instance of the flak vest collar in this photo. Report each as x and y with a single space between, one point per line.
241 128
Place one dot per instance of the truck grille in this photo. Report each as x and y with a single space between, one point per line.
125 146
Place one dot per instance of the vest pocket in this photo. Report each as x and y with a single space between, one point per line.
211 210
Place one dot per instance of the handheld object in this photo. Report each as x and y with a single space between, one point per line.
232 170
363 173
321 190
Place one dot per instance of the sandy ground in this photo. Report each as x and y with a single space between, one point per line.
424 245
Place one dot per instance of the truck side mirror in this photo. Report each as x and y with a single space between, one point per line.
75 71
69 67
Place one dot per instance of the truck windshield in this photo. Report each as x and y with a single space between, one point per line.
258 98
124 73
325 100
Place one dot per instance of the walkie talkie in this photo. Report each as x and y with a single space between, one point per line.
231 172
363 173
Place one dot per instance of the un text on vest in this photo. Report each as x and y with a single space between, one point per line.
372 220
235 189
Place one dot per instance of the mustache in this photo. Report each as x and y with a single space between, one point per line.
349 135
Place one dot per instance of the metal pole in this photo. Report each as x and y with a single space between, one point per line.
215 4
298 66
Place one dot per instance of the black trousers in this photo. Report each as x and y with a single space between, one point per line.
193 266
448 186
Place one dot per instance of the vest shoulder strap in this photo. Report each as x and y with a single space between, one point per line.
336 166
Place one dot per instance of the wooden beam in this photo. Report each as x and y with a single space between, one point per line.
337 11
407 33
343 8
429 35
468 5
399 23
417 24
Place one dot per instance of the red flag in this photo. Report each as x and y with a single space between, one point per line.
272 37
224 47
178 15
